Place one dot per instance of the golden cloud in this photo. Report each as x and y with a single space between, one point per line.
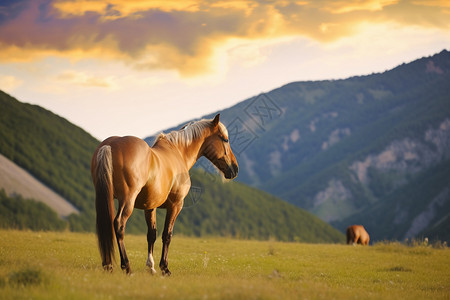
340 7
114 9
184 35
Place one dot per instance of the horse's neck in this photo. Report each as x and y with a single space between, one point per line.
191 152
188 153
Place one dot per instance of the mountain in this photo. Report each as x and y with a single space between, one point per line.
369 149
58 154
52 150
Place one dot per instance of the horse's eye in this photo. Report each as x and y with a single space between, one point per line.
224 139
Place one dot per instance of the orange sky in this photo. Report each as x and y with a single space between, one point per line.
84 58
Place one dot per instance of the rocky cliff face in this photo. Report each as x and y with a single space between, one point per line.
395 166
408 156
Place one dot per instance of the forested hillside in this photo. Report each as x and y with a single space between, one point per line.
58 153
370 149
53 150
19 213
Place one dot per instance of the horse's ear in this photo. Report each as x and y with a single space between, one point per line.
216 120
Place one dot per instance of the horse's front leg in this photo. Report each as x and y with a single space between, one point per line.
150 218
171 216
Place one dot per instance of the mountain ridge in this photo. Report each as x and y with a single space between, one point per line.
306 142
58 153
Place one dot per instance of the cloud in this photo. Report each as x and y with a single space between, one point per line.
350 6
184 35
114 9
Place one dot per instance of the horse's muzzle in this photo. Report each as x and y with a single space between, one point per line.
232 171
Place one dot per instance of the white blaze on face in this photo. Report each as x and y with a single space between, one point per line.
224 130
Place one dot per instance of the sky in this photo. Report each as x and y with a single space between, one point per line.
138 67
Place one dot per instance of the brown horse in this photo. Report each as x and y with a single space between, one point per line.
147 178
356 234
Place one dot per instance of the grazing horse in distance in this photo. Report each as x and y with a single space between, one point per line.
147 178
356 234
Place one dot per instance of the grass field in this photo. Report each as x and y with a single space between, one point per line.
47 265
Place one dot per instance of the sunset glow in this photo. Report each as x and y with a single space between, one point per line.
54 51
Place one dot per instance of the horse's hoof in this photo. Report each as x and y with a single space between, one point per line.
152 271
166 272
108 268
127 269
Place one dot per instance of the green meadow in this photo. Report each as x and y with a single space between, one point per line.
66 265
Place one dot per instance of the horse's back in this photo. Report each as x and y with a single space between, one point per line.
126 144
357 234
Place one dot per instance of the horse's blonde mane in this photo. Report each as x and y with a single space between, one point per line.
187 134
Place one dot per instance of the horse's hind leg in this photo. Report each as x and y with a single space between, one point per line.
150 218
171 216
123 213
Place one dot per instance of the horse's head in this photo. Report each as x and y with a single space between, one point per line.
217 149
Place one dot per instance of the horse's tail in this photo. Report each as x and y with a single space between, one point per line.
104 203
